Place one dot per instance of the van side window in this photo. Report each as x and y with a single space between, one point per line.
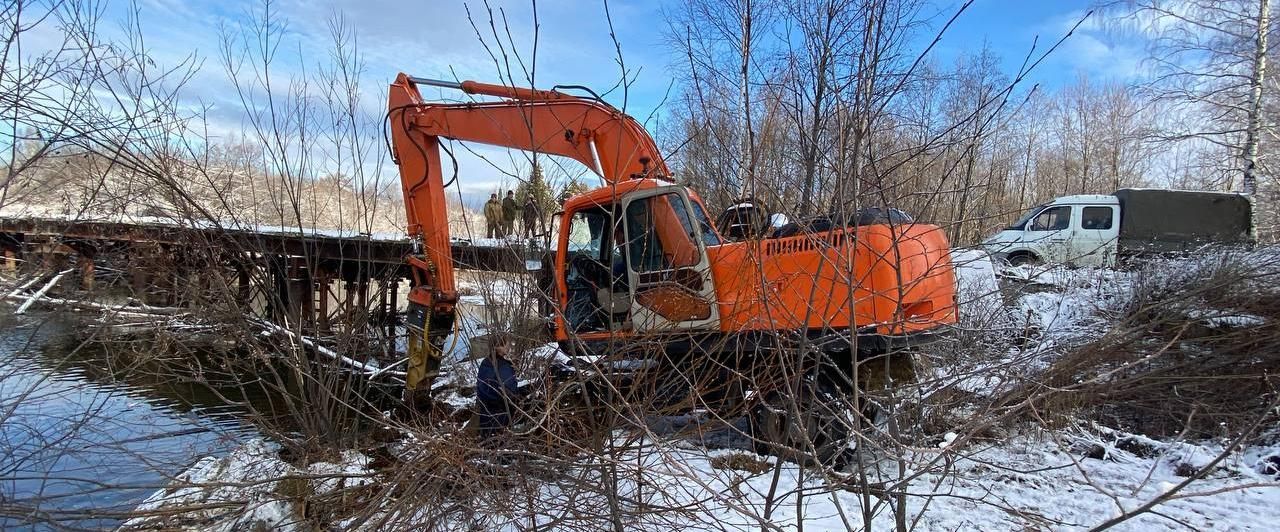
1096 218
1052 219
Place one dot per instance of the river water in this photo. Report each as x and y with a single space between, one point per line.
85 435
79 445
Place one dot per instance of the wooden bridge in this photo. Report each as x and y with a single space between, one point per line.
290 275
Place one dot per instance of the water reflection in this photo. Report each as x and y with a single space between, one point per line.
80 444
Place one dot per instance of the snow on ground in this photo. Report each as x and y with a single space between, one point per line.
1014 322
1070 478
1027 482
1058 303
249 489
1033 482
1080 304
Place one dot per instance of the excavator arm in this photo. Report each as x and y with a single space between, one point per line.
610 143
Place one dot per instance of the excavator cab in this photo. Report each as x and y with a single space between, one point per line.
667 267
635 262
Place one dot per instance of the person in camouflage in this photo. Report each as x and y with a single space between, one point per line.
509 211
531 216
493 217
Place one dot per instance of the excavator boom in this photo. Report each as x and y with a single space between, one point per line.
607 141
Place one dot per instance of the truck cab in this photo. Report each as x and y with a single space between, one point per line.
1080 230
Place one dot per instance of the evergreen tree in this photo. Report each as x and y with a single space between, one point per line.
572 188
538 187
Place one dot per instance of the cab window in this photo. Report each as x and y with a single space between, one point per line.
593 265
709 236
586 232
1022 221
1052 219
1097 218
661 234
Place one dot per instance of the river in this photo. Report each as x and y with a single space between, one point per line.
86 434
78 444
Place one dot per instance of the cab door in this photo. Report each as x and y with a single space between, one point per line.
1049 234
667 266
1095 238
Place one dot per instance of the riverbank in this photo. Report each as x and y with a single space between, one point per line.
1014 425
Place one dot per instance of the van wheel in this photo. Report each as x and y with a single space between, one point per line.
1023 259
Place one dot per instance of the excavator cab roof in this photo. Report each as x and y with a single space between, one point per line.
610 193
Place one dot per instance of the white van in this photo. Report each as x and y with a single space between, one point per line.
1098 229
1077 230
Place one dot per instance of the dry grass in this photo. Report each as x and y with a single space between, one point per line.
1194 352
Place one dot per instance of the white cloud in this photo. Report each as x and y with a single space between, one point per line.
1086 52
435 40
1095 48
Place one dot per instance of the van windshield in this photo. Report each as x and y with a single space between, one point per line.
1022 222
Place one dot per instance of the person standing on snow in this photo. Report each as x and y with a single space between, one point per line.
496 389
509 211
493 217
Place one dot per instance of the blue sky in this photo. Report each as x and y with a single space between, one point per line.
1011 28
434 39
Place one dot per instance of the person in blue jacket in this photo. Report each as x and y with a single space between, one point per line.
496 389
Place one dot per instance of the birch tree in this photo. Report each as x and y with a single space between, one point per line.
1209 58
722 53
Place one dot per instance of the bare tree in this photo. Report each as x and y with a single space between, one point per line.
1209 61
722 49
821 106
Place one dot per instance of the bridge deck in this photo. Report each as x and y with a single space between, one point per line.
379 253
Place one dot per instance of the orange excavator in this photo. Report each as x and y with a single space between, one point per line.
638 263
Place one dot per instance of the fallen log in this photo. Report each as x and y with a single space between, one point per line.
124 310
22 309
24 287
368 370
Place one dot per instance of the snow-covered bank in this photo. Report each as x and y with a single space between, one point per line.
956 473
250 489
1069 480
1018 483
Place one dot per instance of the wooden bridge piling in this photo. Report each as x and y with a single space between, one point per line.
314 282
